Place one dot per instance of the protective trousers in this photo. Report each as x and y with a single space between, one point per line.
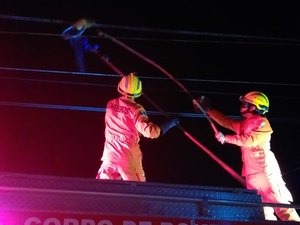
272 189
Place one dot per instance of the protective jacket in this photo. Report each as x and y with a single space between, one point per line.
125 121
253 135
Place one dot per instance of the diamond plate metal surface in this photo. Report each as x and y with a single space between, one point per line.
81 195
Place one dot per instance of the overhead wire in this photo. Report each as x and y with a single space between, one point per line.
149 77
102 109
168 40
63 22
290 41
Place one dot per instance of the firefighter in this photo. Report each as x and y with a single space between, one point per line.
125 121
252 133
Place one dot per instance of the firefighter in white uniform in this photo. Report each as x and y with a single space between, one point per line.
125 122
260 167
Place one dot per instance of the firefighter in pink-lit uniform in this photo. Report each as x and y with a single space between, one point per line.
260 167
125 122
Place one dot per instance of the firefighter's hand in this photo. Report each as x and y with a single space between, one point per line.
220 137
165 127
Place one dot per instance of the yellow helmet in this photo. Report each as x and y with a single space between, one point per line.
130 85
259 99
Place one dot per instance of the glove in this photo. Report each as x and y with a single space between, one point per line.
203 102
220 137
168 125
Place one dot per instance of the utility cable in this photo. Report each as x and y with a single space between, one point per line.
226 167
151 62
154 30
168 40
220 162
150 77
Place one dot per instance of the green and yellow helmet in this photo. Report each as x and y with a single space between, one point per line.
130 86
259 99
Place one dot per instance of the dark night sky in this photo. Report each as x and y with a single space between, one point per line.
227 51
